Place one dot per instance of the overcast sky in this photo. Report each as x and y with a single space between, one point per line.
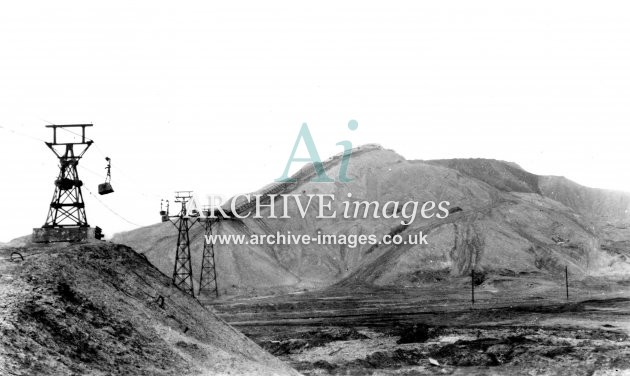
209 96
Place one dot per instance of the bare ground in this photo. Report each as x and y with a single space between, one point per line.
523 327
102 309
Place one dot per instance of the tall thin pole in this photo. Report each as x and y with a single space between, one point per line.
472 286
566 280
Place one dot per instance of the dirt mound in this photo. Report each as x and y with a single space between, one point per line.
378 175
243 269
597 204
507 222
296 342
102 309
509 177
417 333
505 176
486 351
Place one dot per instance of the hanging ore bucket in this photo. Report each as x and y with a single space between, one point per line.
106 188
164 213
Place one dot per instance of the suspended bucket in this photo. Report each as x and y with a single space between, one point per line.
164 213
105 188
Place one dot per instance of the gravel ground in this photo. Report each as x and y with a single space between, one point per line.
392 332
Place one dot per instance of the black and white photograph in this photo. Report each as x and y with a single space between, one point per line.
315 188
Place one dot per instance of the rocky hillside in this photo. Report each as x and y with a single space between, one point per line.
505 176
506 221
593 203
102 309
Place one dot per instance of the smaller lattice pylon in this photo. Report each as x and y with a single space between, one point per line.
208 277
182 270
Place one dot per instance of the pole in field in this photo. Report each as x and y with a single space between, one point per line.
566 280
472 286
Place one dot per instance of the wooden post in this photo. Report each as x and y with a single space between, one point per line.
566 280
472 286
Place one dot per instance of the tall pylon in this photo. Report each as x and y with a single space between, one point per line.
66 220
208 277
67 208
182 270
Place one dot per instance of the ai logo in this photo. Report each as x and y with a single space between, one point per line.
305 136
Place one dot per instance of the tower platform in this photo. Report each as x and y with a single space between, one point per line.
63 234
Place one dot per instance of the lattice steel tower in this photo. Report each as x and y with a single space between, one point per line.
182 271
208 277
67 208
